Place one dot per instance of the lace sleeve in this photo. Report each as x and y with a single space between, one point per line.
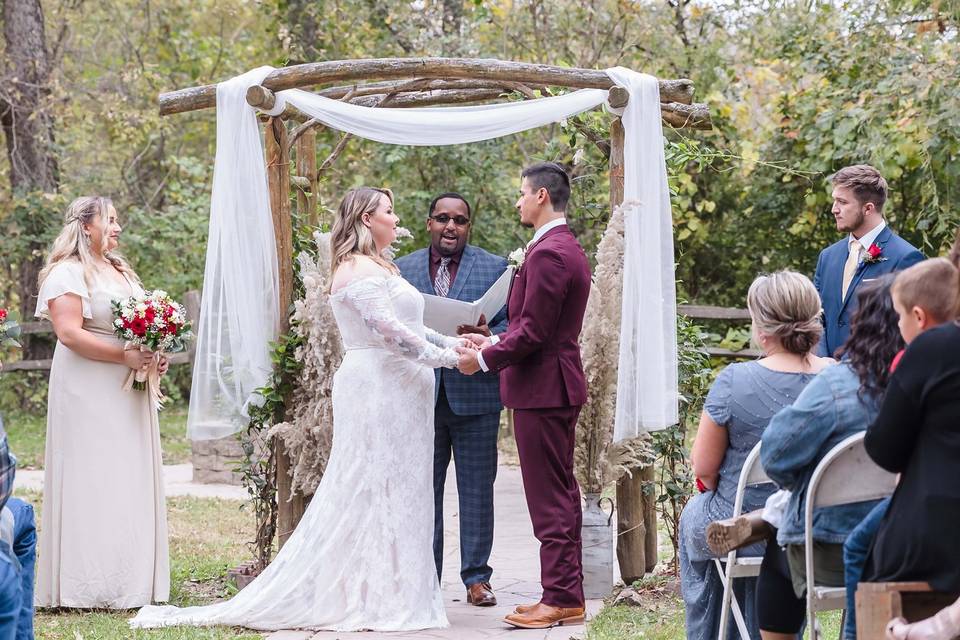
441 340
370 298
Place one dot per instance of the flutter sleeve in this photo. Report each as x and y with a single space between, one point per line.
66 277
370 298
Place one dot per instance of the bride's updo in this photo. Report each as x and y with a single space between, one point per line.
73 244
349 235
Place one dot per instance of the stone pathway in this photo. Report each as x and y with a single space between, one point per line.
177 479
515 563
516 575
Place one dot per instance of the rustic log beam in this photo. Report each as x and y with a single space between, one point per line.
618 97
695 116
686 116
319 73
431 98
419 84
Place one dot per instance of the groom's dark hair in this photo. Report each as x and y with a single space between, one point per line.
552 177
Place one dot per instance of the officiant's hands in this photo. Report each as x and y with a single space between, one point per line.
481 327
468 363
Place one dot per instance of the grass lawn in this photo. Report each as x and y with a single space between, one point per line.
661 616
26 434
207 537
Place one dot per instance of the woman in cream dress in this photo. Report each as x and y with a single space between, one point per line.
103 538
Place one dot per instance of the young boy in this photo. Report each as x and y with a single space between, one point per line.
924 296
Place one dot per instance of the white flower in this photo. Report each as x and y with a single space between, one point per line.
516 257
118 322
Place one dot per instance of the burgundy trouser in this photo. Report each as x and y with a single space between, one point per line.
545 443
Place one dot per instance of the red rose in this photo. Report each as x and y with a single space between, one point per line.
3 315
150 314
138 326
874 251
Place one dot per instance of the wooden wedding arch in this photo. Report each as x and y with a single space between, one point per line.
418 82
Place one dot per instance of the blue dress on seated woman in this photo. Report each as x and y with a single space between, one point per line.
743 398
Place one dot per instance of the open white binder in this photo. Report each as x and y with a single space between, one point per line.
444 315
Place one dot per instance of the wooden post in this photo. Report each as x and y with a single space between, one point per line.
636 509
307 168
651 543
631 527
289 511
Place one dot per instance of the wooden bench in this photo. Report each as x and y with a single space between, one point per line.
880 602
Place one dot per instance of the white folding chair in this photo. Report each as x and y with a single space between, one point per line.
752 474
845 475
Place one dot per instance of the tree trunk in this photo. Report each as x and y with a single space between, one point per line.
28 130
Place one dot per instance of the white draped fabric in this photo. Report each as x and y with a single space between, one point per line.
647 376
241 256
239 312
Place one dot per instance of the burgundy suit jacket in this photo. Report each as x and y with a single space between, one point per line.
539 354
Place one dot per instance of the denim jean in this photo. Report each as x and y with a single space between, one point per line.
855 550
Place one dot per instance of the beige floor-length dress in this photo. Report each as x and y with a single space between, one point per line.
103 531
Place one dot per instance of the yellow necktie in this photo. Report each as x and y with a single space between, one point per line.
850 267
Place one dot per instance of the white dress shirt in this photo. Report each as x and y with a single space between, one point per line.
867 239
553 224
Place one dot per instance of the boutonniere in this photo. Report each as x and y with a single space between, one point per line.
516 257
874 254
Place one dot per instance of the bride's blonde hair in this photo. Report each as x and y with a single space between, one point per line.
349 236
73 244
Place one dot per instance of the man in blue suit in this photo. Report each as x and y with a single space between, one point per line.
870 249
467 414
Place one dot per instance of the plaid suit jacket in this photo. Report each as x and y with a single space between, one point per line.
480 393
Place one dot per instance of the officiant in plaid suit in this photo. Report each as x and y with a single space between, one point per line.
467 414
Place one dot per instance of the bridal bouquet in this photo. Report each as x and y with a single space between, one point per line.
9 330
155 321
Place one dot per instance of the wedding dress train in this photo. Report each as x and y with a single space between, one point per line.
362 556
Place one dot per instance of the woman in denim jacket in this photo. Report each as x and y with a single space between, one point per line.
841 401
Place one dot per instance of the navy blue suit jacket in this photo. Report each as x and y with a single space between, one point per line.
478 270
828 279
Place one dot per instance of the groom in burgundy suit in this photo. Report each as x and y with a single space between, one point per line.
542 380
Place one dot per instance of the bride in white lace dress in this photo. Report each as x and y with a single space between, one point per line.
362 556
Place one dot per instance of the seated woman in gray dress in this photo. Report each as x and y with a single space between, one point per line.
785 310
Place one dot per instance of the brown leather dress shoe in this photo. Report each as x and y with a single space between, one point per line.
543 616
480 594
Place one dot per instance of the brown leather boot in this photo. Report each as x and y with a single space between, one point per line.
543 616
480 594
523 608
723 536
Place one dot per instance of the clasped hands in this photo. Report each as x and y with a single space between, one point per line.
472 340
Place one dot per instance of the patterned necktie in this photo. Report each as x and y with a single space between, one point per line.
850 266
442 282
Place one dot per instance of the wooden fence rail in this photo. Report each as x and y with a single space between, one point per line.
192 302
